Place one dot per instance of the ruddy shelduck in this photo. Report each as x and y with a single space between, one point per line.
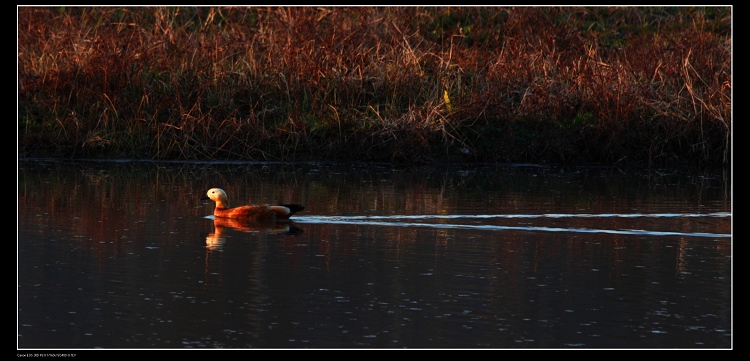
253 212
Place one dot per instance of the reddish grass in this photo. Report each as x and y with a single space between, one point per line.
574 85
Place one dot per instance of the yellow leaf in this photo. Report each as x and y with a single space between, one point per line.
447 100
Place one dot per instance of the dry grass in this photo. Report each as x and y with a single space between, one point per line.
532 84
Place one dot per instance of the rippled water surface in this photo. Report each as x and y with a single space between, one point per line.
125 255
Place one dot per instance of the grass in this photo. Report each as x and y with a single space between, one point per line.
572 85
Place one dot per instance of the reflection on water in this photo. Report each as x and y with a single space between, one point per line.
124 255
216 239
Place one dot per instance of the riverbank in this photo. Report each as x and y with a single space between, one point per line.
575 85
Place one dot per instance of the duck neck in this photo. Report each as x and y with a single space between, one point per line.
222 204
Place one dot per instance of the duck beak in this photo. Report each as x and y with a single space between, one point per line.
205 198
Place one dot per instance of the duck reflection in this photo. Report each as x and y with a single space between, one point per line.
217 239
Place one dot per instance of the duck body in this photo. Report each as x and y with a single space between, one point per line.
249 212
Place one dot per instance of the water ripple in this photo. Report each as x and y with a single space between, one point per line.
402 221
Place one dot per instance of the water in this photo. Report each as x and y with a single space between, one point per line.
124 255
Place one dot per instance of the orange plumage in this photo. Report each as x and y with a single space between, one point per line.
249 212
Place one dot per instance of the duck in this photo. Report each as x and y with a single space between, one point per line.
252 212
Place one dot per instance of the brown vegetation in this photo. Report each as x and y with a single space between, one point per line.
600 85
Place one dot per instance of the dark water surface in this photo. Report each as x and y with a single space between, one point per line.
123 255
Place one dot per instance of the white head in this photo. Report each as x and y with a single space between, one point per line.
215 194
219 196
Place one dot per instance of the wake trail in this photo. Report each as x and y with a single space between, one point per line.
408 221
